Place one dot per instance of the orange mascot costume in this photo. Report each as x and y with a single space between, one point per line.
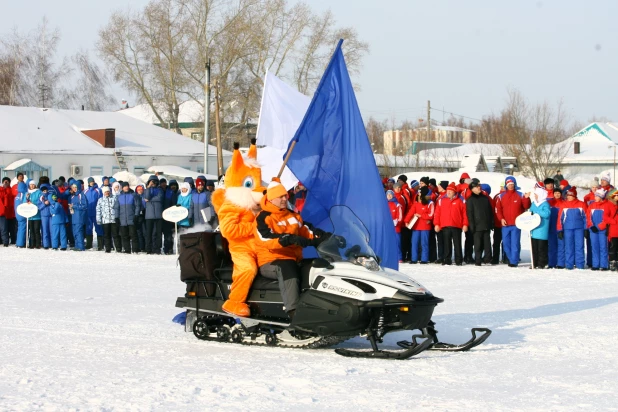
237 206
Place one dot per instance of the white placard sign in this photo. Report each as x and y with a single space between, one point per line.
27 210
175 214
527 221
412 222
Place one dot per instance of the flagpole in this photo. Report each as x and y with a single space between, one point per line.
287 157
257 132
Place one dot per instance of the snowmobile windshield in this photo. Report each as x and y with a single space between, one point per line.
349 241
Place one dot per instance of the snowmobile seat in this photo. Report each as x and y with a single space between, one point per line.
224 274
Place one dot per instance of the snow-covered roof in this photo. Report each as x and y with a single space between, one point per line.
190 112
17 164
596 142
446 128
34 130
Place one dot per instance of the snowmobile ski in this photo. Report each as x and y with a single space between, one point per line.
412 350
451 347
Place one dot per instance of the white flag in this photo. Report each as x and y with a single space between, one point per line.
283 109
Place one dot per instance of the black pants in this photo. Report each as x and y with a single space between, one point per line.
496 248
11 226
287 272
129 239
613 249
140 229
406 244
440 239
107 236
116 237
168 237
34 232
468 246
153 236
432 246
539 252
482 245
452 239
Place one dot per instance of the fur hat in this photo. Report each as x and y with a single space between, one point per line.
275 189
452 187
601 193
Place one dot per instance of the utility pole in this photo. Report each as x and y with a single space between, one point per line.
428 121
218 130
206 116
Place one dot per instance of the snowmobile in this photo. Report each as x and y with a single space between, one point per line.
344 293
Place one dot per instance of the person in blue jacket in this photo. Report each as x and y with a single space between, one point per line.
78 207
170 199
126 208
93 194
34 223
540 233
184 200
139 217
22 197
46 217
58 224
201 200
153 198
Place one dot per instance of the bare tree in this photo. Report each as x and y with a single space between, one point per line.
91 85
535 134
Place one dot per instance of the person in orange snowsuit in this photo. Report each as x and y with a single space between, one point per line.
237 206
280 237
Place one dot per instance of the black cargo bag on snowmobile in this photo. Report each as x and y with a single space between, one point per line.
200 254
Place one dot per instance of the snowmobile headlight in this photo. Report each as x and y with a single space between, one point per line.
368 263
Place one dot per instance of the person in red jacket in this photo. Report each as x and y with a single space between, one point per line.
450 218
422 210
20 178
5 190
397 215
549 186
613 234
9 211
509 205
406 234
300 195
464 181
598 215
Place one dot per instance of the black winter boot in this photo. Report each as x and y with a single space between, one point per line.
100 242
88 242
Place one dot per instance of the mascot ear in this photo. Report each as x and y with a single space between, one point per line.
264 192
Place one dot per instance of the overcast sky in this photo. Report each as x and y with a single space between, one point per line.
460 54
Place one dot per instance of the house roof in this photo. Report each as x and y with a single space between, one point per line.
34 130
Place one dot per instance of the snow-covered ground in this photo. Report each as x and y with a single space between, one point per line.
90 331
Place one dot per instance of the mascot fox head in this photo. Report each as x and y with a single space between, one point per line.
243 180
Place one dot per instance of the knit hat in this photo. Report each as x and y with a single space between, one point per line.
125 184
548 181
414 184
105 189
444 184
275 189
572 191
594 183
475 180
564 182
425 179
432 182
211 183
200 182
473 184
539 185
391 192
452 187
509 180
90 180
403 178
486 188
464 176
606 177
391 180
601 193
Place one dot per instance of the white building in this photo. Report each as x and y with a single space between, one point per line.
82 143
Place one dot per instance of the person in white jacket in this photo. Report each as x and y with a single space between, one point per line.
106 217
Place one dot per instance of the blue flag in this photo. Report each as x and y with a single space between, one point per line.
334 160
